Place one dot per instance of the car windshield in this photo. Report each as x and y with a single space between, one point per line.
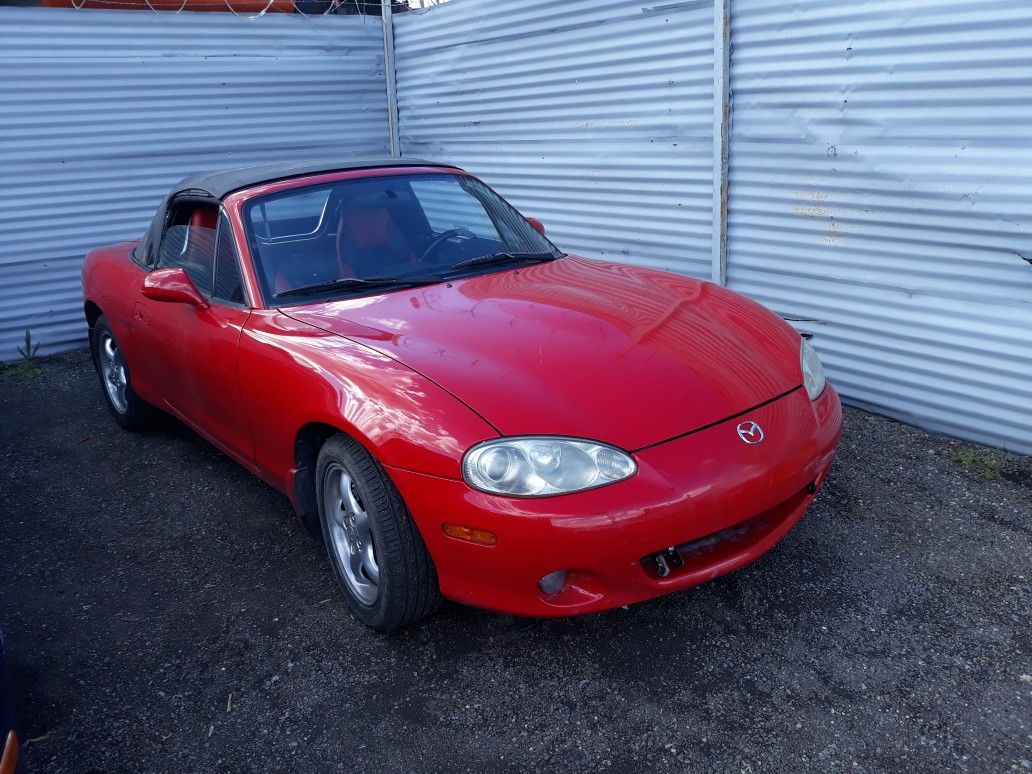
364 235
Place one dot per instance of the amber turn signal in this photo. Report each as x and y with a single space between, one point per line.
470 534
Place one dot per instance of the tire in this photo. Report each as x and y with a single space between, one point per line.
128 409
375 549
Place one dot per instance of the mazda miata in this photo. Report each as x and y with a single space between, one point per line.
454 406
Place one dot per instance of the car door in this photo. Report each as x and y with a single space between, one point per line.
190 353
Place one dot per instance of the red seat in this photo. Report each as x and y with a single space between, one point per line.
369 234
204 217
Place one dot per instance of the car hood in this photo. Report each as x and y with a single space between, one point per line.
583 348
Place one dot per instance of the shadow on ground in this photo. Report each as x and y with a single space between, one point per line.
164 612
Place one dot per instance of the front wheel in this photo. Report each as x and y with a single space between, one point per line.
376 551
128 409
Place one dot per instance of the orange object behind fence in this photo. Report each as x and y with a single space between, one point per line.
240 6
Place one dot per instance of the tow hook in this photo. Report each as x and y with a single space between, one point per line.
668 560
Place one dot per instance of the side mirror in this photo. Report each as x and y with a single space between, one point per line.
537 224
173 285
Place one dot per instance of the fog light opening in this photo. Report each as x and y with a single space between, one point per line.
552 583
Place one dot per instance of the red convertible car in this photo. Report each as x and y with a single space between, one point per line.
457 408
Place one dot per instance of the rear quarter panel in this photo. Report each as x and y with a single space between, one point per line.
111 280
107 274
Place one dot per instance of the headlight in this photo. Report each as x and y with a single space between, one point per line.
535 466
813 371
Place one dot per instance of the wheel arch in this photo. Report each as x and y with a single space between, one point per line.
93 312
308 440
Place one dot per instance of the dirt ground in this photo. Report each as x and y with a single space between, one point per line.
164 612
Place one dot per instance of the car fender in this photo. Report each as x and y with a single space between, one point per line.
293 375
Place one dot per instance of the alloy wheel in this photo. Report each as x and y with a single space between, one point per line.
351 537
112 371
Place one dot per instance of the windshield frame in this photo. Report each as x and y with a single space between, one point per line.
243 202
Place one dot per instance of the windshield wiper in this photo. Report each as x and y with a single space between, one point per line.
493 258
346 283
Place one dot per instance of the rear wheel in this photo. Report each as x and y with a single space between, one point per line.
377 554
128 409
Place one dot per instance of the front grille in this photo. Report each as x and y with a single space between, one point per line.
718 546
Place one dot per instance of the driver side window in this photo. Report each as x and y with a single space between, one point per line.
189 243
228 285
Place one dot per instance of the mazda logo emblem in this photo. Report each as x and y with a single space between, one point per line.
750 432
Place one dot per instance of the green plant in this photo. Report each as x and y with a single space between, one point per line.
989 464
27 365
28 352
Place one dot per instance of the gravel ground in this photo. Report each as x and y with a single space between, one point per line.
164 612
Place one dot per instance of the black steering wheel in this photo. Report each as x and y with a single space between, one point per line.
443 237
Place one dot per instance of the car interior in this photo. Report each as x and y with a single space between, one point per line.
363 228
194 242
357 233
367 228
189 242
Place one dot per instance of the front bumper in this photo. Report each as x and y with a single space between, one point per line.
718 502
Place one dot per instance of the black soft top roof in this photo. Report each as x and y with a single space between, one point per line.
219 184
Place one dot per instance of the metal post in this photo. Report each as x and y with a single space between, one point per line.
721 134
392 83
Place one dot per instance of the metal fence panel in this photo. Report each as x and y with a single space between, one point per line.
594 115
879 177
102 111
881 171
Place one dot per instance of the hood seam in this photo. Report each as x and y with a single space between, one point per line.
400 362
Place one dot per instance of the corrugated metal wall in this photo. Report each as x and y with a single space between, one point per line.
102 111
880 176
594 115
880 156
881 195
